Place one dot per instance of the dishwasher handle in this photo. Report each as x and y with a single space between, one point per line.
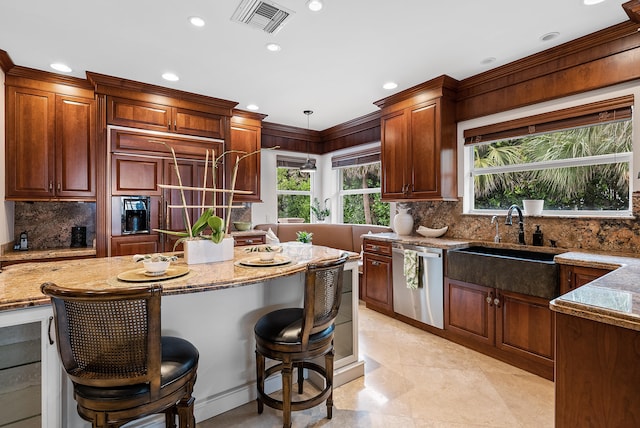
420 253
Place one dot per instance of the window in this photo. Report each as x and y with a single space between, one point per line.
359 187
293 189
577 160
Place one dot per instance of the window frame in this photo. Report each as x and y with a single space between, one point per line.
342 192
309 193
591 114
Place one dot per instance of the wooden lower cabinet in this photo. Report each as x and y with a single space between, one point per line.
243 240
510 326
572 277
135 244
377 277
597 377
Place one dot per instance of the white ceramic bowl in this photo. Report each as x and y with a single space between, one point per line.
432 233
156 268
267 256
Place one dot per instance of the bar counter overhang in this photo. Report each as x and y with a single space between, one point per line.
220 324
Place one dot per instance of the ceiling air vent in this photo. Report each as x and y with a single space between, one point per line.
261 14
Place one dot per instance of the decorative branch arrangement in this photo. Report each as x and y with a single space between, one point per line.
219 227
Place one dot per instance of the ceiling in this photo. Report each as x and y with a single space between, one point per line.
333 62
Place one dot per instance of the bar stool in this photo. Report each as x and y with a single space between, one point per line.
122 369
295 336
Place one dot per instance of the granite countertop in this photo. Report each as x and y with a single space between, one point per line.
52 253
611 299
443 243
20 283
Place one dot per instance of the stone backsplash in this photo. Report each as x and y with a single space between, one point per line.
48 224
594 234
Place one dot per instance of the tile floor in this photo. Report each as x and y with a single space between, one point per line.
415 379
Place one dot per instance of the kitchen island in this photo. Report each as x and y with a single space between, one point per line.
214 306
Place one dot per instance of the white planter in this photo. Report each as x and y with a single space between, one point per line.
533 206
198 251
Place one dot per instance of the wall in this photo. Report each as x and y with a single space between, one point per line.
594 233
48 224
6 208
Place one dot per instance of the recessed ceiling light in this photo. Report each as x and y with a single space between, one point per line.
488 60
58 66
274 47
390 85
253 107
171 77
549 36
591 2
196 21
315 5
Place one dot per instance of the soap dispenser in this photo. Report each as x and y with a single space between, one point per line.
538 237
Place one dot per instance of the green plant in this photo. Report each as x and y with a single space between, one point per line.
320 213
304 237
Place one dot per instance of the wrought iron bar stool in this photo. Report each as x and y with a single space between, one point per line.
110 345
296 336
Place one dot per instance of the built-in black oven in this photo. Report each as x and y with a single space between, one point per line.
135 212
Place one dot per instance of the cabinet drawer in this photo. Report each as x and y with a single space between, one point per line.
249 240
377 247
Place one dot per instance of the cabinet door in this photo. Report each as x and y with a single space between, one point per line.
469 311
30 143
424 153
174 217
394 149
572 277
378 286
135 244
525 326
138 114
75 147
245 138
191 122
135 175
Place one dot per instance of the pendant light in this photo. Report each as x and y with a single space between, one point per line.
309 165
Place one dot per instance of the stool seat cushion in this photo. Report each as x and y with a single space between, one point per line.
179 356
284 326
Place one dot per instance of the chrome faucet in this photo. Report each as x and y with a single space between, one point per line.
508 222
494 219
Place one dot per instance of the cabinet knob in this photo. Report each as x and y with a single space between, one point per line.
375 248
489 300
496 302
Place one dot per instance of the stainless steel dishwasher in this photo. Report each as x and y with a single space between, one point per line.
426 303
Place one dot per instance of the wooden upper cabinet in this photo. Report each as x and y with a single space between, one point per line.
418 143
245 137
50 150
158 117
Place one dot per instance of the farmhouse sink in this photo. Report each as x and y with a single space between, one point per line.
533 273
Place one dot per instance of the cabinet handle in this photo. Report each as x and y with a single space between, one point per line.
50 185
249 241
489 300
496 302
175 124
375 248
49 331
375 263
59 186
169 125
